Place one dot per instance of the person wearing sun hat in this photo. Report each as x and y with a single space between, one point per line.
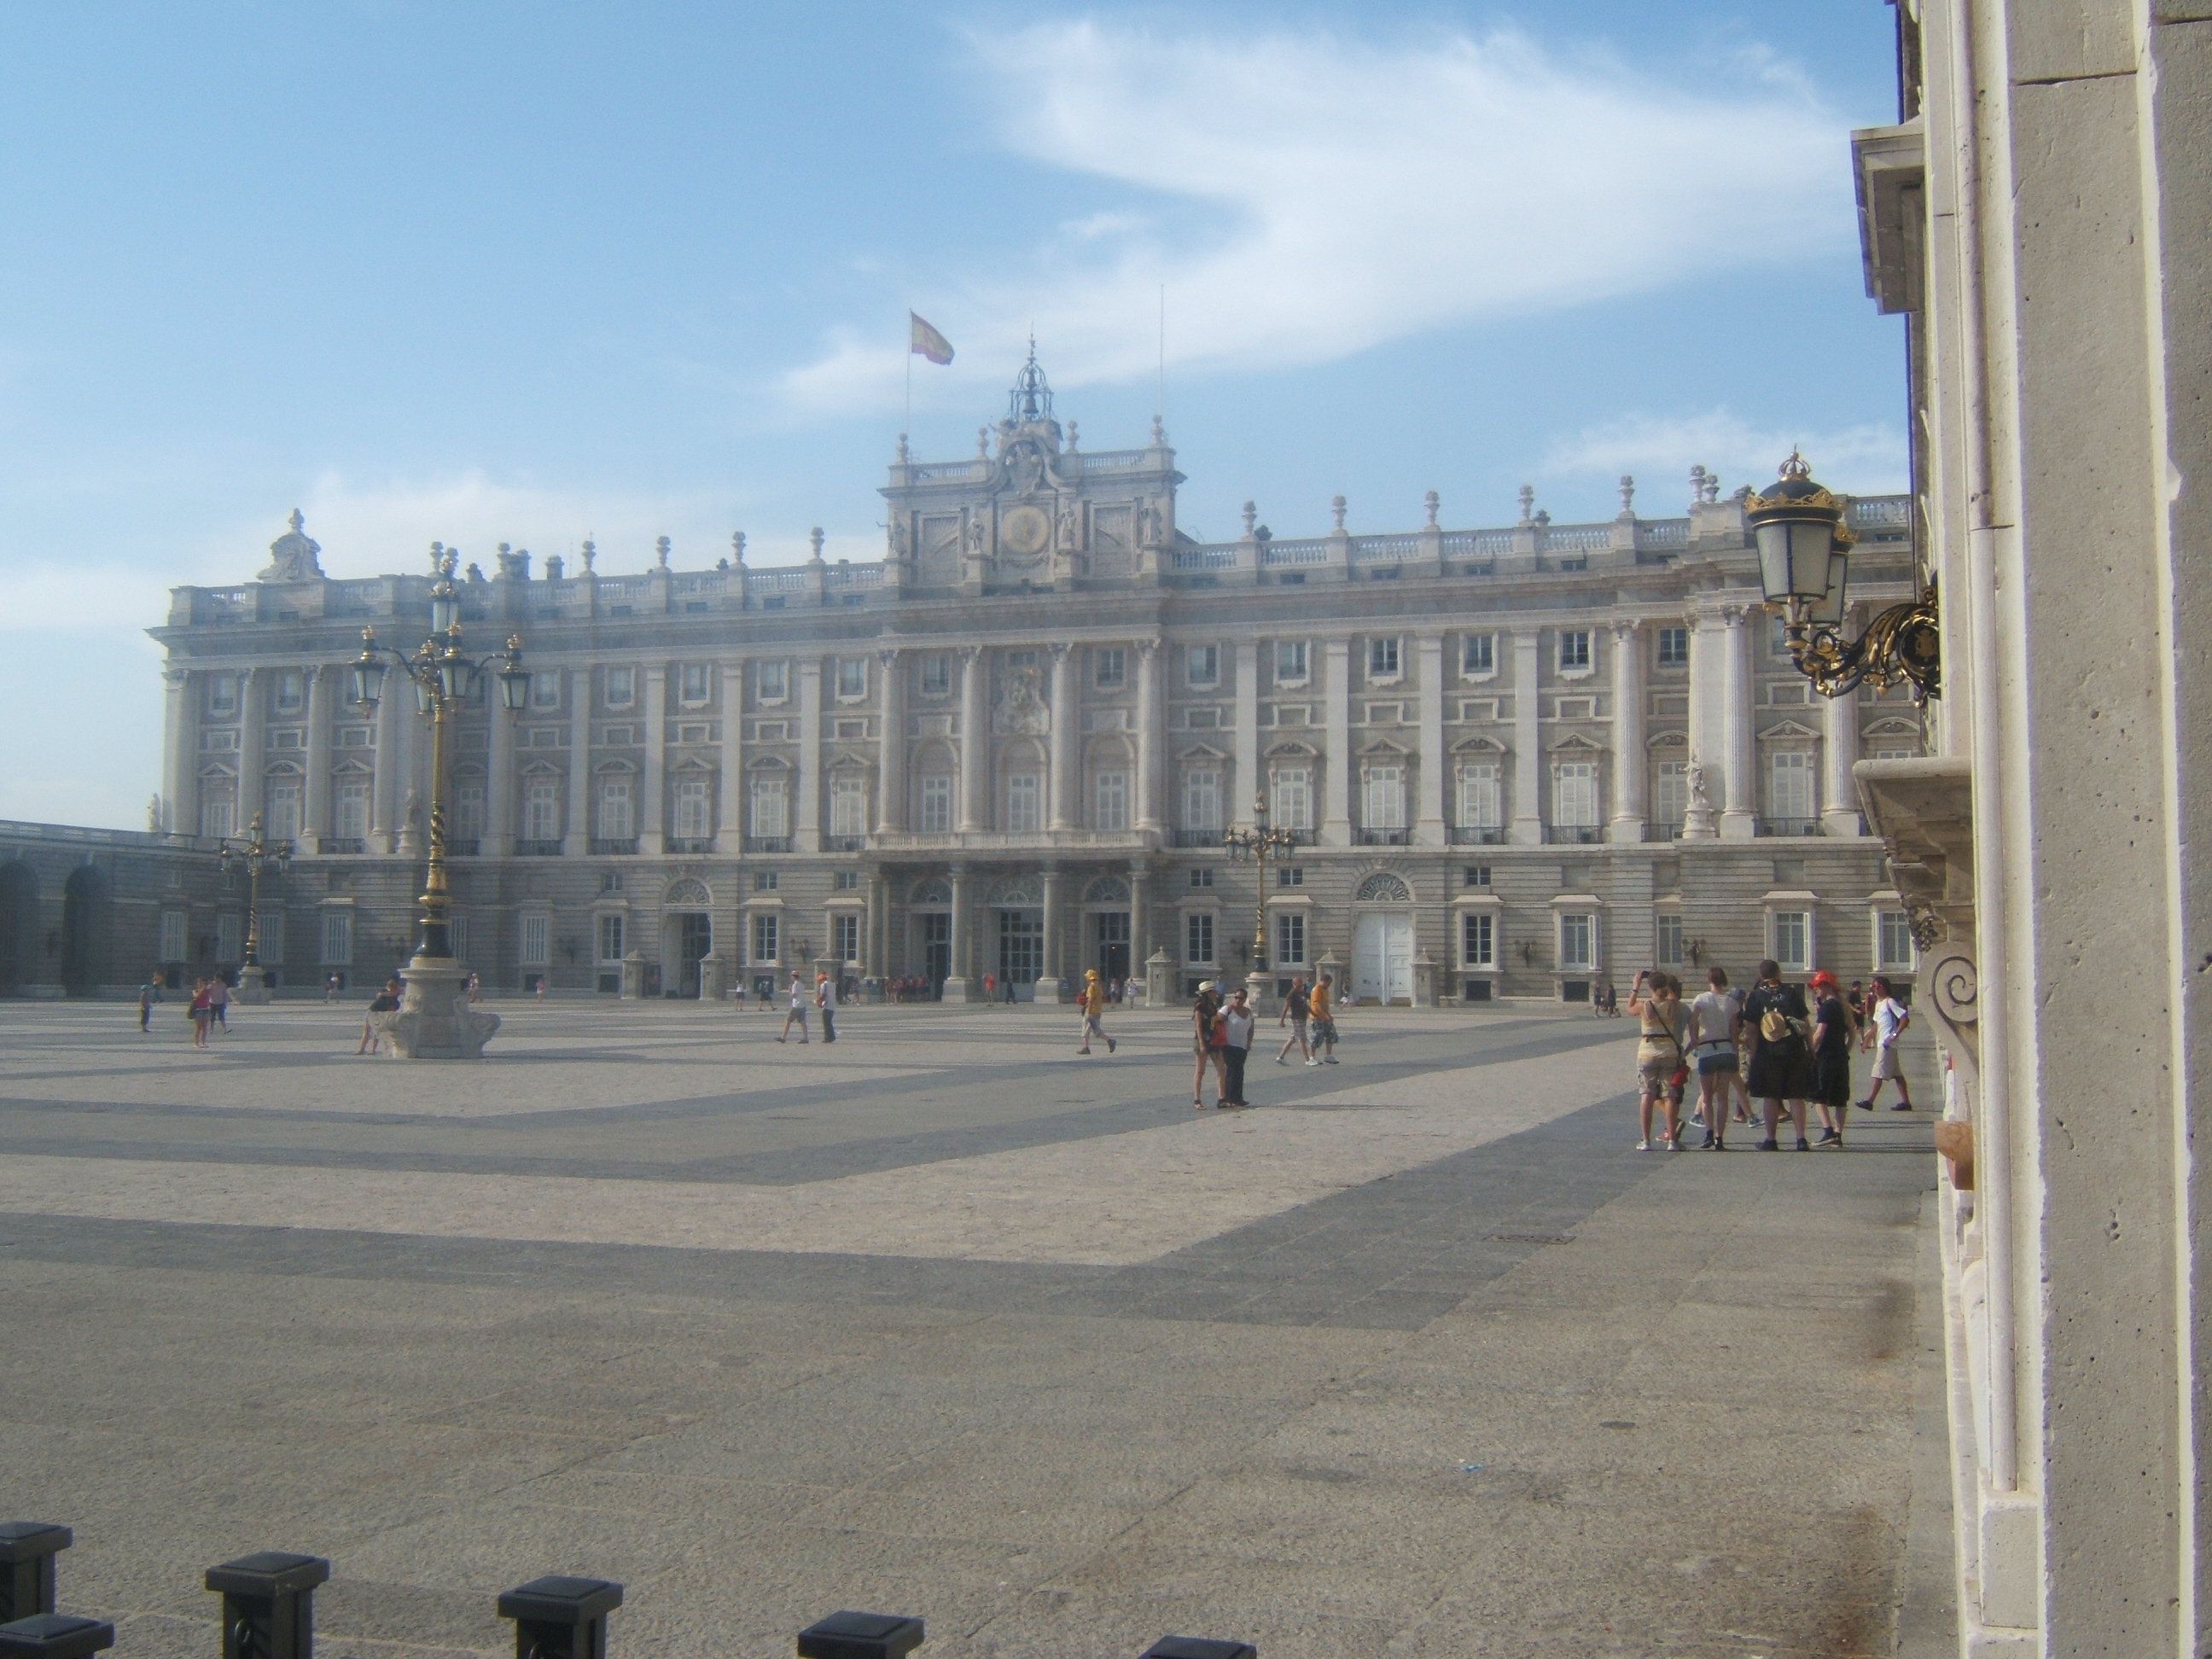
1093 999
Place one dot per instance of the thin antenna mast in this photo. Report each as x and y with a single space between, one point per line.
1162 405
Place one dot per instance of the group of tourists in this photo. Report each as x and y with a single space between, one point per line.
823 995
1223 1027
1769 1045
210 1008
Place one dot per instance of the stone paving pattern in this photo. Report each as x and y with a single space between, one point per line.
945 1320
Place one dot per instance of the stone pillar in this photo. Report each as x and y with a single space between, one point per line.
1246 788
1064 794
252 705
1528 824
322 696
890 745
178 746
577 842
1740 816
962 986
1141 915
1429 809
651 809
730 810
1839 752
1629 767
499 787
1150 712
975 742
384 788
806 818
1048 983
410 738
1336 764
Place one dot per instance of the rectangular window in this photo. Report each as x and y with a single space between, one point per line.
772 681
1793 939
1290 940
545 690
1290 662
216 816
1895 754
338 937
849 805
1201 800
769 800
1670 792
1385 798
764 937
936 676
541 812
852 678
1478 655
1201 877
610 939
846 881
1023 803
615 822
1021 660
1574 649
1290 875
271 928
936 806
285 812
1481 804
1197 938
767 881
222 695
1111 664
1476 875
1668 933
352 817
693 686
694 816
468 811
172 935
622 687
1110 801
229 936
1292 807
536 927
1478 939
1383 660
845 937
289 694
1577 941
1574 795
1673 647
1202 667
1893 938
1793 796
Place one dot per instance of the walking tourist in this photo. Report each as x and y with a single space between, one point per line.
1832 1058
202 1011
219 1001
329 987
1006 990
1778 1031
990 989
798 1014
825 998
1662 1055
1237 1029
1320 1008
1890 1017
1713 1020
1206 1038
738 995
1298 1008
1093 998
148 995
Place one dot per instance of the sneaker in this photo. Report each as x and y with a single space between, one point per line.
1313 1062
1083 1051
1864 1105
1829 1137
1675 1144
1803 1145
1331 1060
1902 1106
1279 1061
1717 1146
1709 1143
1697 1120
1642 1145
1770 1145
1111 1045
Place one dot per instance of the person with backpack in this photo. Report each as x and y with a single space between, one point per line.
1780 1031
1890 1017
1661 1055
1207 1035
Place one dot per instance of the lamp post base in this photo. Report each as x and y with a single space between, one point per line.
434 1021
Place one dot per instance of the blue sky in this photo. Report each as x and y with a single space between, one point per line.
527 272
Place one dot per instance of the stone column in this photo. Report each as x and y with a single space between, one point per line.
1336 764
322 696
1629 767
1527 825
178 746
252 705
807 823
890 745
961 986
384 785
1150 707
1141 917
1047 985
409 740
1065 793
652 808
499 781
975 742
1740 816
1839 752
1245 787
730 810
578 840
1429 811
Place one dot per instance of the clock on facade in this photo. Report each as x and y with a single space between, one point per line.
1024 530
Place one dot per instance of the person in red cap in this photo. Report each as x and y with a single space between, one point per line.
1832 1058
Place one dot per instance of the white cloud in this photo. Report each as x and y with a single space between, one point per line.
1660 450
1346 194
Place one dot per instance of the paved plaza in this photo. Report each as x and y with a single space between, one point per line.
1417 1357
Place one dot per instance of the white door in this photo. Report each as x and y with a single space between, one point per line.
1382 959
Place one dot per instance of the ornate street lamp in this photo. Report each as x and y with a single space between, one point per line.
1804 562
257 853
1255 843
443 676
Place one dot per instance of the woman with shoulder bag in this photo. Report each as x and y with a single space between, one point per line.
1209 1032
1779 1028
1662 1064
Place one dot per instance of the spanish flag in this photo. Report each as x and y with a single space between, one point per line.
927 341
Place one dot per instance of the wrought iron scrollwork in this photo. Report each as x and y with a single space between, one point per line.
1903 644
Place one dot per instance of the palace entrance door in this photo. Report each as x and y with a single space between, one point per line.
1382 959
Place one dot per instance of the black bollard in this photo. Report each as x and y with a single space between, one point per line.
269 1604
860 1636
55 1636
1200 1647
559 1618
27 1549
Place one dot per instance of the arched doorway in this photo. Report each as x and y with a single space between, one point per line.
1017 904
19 928
929 940
687 935
1106 904
1383 942
85 932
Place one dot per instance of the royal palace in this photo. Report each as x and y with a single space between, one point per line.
1519 762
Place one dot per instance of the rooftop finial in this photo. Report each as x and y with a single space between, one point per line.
1796 466
902 449
1528 503
1336 511
1627 496
736 547
298 521
815 537
1429 503
591 552
1159 431
660 553
1251 516
1032 399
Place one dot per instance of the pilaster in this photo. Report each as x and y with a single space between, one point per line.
384 791
1061 788
1629 767
1336 768
577 842
1246 788
891 744
322 696
1429 811
730 815
1527 828
1150 714
974 743
1740 816
652 808
252 707
806 825
178 745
